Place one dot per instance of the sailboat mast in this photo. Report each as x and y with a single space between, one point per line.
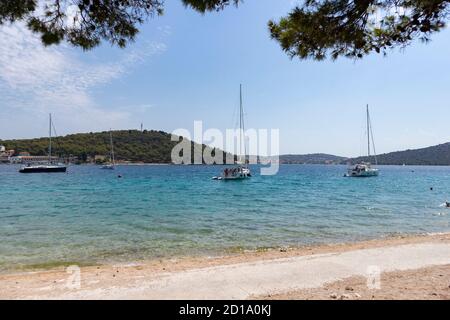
373 141
242 125
50 139
240 122
112 147
368 132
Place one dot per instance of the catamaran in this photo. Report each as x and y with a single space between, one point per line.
49 166
242 171
364 169
111 165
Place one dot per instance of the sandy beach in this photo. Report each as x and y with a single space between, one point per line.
430 283
416 267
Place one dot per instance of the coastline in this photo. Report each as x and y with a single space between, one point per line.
161 278
437 165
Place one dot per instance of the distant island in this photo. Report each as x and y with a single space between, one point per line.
314 158
150 146
438 155
434 156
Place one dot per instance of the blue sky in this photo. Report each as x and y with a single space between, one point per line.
185 67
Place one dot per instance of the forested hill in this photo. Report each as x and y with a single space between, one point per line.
156 147
129 145
315 158
435 155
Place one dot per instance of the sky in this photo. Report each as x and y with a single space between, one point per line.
185 66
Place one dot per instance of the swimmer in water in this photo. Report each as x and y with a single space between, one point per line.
446 204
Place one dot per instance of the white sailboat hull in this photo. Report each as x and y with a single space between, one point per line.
364 169
108 167
239 173
241 176
363 174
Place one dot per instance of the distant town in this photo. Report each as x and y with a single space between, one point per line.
10 156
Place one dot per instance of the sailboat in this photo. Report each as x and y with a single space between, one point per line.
364 169
111 165
49 166
242 171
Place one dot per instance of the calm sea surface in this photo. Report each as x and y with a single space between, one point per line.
90 216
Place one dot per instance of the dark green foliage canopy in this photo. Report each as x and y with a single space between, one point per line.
129 145
316 29
209 5
83 23
354 28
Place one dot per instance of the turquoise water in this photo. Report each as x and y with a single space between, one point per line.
90 216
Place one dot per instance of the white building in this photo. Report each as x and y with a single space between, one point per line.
2 149
31 159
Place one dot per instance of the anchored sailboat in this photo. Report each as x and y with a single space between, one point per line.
242 171
111 165
364 169
49 166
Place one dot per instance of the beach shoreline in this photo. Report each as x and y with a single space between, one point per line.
114 280
230 255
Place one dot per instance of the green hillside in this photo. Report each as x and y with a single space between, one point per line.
436 155
129 145
156 147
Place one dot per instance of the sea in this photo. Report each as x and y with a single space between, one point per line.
90 216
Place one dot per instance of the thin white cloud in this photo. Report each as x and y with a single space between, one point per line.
38 79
